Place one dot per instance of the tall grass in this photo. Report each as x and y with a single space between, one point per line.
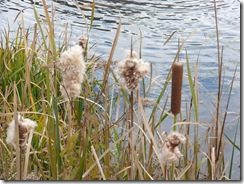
87 138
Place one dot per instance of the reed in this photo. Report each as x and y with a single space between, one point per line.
83 131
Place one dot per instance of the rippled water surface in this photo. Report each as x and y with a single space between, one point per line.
157 20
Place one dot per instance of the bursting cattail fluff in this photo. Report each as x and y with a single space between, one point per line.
25 126
170 153
176 87
72 68
82 41
132 69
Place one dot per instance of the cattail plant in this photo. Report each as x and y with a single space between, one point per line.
177 77
132 69
170 152
72 68
25 126
176 88
82 41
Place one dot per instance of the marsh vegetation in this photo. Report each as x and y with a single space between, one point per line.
73 125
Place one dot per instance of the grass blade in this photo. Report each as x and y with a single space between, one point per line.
191 85
233 151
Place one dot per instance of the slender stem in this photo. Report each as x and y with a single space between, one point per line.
172 171
130 157
18 150
150 157
106 136
165 172
131 112
175 121
70 119
219 73
56 123
178 59
173 165
225 115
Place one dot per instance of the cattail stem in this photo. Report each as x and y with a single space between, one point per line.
172 171
131 108
173 165
18 150
130 134
165 172
106 137
177 78
70 119
175 121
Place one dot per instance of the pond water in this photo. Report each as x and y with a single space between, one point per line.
157 20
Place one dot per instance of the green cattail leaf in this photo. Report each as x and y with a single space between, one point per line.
51 30
233 151
233 142
192 87
162 119
82 160
55 109
116 138
40 27
70 146
160 95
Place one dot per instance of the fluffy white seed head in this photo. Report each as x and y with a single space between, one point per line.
72 68
70 90
82 40
130 63
175 138
132 69
130 55
11 134
142 67
25 126
170 152
27 123
167 155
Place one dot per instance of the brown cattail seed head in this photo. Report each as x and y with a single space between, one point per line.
22 136
25 126
132 69
82 40
177 77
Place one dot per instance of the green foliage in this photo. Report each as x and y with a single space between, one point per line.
69 152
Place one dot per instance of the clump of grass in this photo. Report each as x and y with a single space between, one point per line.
87 138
